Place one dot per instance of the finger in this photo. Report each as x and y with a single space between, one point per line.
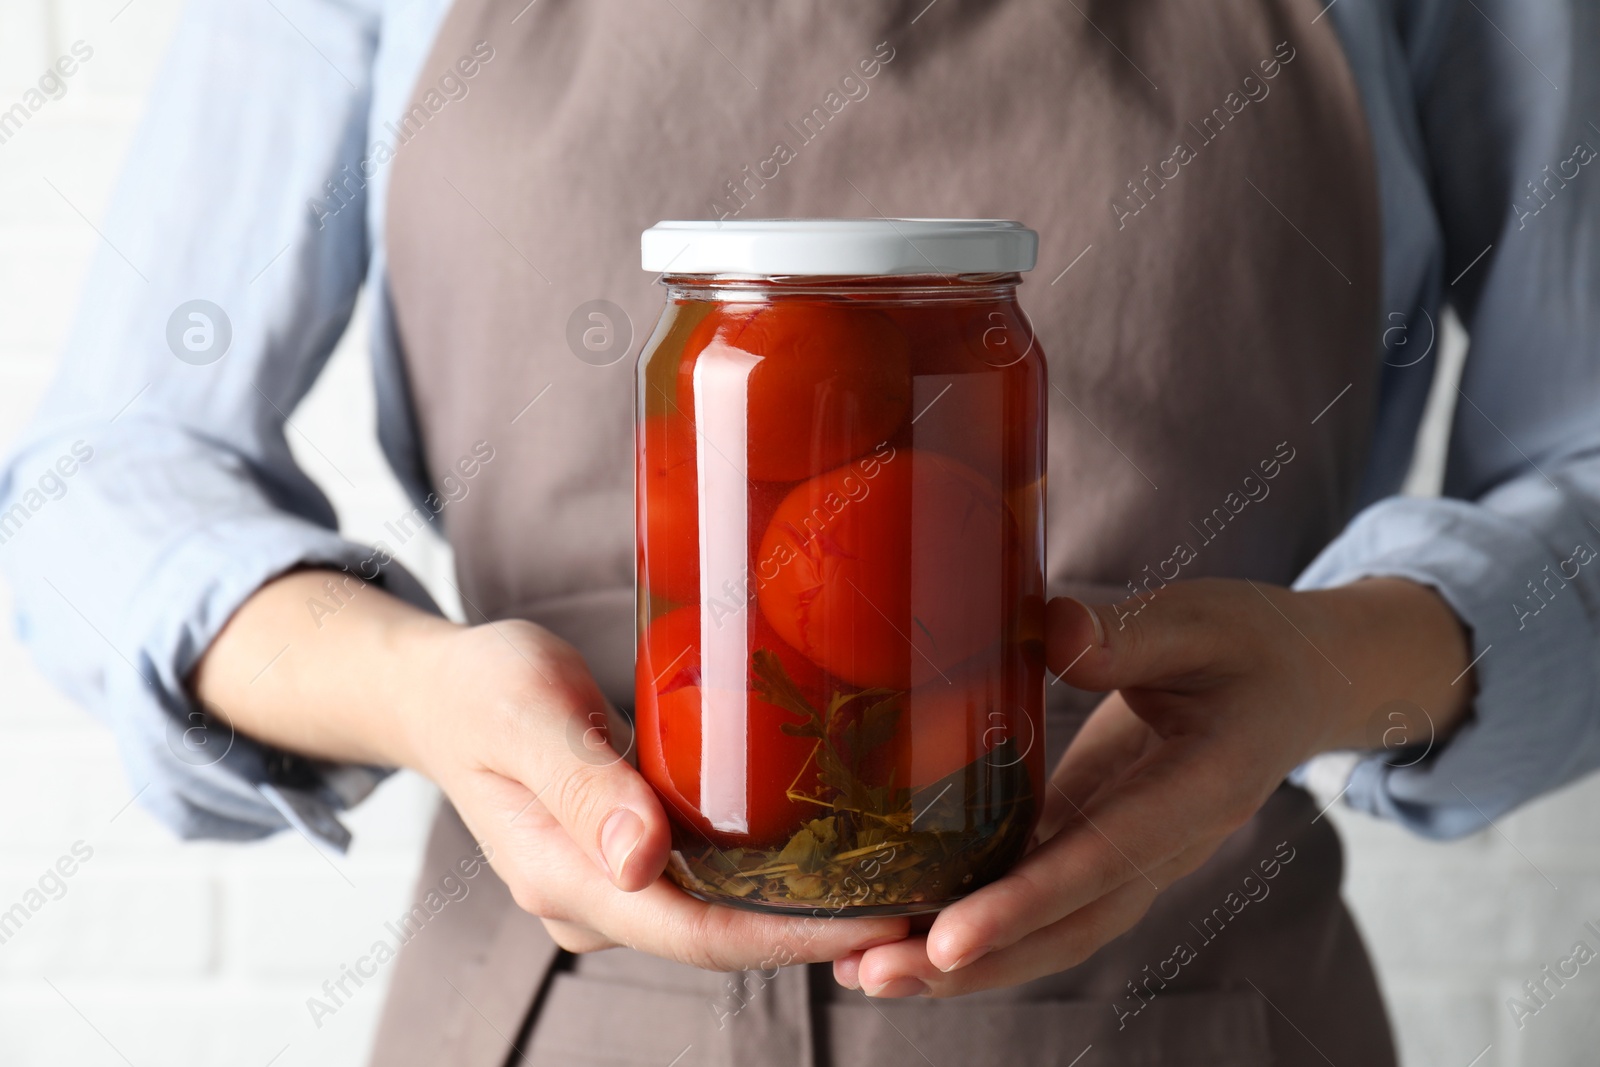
576 938
847 969
665 921
552 877
558 745
904 969
1140 642
1178 796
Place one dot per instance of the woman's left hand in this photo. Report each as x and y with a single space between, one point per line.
1221 687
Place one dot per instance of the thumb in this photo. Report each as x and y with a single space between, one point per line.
1138 642
575 761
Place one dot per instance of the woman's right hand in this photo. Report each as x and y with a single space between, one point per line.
507 720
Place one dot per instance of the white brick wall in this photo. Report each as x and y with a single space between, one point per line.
203 954
1457 928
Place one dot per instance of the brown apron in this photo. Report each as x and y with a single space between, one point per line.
1203 185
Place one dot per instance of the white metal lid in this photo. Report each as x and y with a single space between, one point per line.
839 247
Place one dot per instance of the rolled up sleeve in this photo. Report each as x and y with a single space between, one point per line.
1514 544
1535 724
155 490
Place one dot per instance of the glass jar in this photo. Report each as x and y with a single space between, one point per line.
840 490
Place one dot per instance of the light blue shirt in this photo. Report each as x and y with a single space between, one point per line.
151 496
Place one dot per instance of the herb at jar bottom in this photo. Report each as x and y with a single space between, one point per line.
871 846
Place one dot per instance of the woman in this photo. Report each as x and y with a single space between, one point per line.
1253 215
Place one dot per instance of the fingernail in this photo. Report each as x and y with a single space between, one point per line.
847 972
898 987
1094 617
620 835
970 958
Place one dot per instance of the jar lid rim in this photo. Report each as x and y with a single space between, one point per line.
839 246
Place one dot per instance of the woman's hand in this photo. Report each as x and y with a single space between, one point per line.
507 720
1221 688
516 733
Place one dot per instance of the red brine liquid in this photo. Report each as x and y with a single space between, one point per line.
840 672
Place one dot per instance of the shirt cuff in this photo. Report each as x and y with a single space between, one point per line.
198 775
1533 725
